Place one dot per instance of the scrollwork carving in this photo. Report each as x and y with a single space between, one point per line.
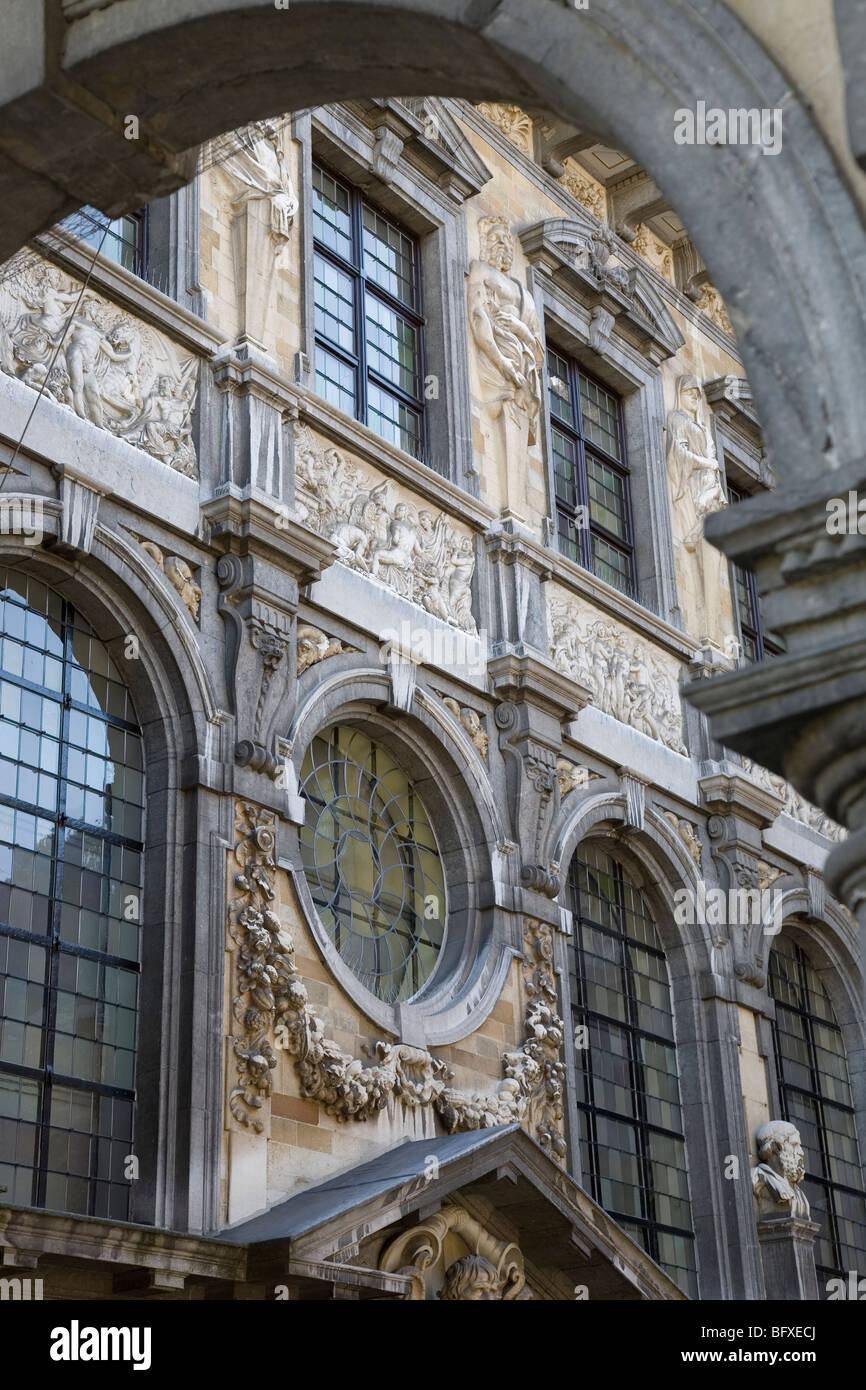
273 1010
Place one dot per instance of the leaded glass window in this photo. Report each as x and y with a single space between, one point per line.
756 641
631 1126
815 1095
71 810
372 863
121 239
593 509
367 292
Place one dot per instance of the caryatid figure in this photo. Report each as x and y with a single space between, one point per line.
507 334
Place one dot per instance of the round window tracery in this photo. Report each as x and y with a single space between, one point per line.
372 863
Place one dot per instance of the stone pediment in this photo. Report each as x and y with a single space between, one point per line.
431 140
480 1215
576 253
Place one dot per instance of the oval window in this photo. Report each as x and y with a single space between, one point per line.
372 863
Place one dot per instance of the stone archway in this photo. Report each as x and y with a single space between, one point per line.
780 235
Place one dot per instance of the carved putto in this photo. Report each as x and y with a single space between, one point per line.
505 328
179 574
626 681
272 1010
514 123
470 721
110 369
776 1180
258 164
414 552
314 645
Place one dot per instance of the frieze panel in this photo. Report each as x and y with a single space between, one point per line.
627 680
795 805
421 556
95 359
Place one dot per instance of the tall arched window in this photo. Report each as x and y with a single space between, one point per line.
632 1146
816 1097
71 809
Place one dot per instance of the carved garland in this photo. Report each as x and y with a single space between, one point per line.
272 1010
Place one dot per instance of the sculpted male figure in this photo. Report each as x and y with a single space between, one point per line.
775 1181
505 325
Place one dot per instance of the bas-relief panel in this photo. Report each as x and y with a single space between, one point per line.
629 680
97 360
381 530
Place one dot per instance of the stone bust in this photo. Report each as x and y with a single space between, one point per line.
471 1279
782 1165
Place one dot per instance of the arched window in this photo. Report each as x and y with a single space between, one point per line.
372 863
71 808
632 1146
816 1097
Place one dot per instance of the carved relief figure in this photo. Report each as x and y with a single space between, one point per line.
417 554
794 804
514 123
314 646
119 374
471 723
626 681
179 574
258 163
471 1279
696 488
505 325
776 1180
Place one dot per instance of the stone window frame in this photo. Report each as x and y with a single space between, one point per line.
632 1029
740 450
482 934
659 864
342 138
365 287
626 365
116 592
577 433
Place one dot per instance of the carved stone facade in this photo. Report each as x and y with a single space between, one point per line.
420 555
627 681
528 707
513 123
82 352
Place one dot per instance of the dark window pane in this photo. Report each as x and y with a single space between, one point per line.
64 1015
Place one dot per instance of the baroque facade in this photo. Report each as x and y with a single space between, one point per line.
354 568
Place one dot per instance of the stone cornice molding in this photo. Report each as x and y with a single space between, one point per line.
562 248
